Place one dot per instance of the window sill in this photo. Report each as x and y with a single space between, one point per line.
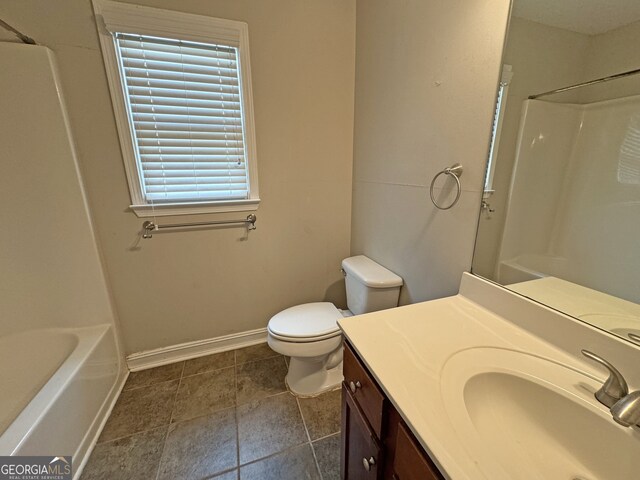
166 209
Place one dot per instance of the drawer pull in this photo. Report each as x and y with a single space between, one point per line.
354 386
368 463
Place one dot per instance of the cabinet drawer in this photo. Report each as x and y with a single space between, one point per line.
410 463
364 390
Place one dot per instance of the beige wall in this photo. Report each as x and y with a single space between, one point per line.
180 287
543 58
613 52
426 79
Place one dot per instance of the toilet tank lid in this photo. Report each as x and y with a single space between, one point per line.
370 273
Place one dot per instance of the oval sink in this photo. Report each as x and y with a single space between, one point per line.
524 417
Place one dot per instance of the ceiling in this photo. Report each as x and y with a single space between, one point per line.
595 16
590 17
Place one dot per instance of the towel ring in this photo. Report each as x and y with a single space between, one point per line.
455 171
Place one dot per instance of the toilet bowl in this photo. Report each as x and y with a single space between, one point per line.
310 336
309 333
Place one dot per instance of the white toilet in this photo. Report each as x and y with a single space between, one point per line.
310 335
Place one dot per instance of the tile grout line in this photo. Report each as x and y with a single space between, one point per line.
208 371
175 399
326 436
166 435
212 369
131 435
271 455
313 451
237 414
153 384
266 396
220 474
286 384
205 415
146 430
162 426
240 464
183 376
191 418
260 359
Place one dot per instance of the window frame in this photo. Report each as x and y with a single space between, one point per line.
115 17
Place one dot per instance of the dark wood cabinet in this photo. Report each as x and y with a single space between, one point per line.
409 461
376 442
364 389
361 453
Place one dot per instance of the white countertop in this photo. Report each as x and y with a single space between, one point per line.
405 349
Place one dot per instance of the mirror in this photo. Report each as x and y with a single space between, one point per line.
560 218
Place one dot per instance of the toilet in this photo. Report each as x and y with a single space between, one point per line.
310 335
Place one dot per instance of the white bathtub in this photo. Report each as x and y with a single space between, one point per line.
527 267
55 388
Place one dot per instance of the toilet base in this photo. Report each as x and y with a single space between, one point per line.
307 377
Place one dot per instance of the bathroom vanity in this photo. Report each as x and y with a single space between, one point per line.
486 384
376 442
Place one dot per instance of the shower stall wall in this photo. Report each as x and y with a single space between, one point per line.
573 209
60 366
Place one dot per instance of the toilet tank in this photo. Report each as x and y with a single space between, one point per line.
370 286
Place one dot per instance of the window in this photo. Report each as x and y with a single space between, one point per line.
501 103
181 90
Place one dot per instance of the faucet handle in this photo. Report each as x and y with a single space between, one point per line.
627 410
614 388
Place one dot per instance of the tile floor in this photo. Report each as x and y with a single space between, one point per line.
226 416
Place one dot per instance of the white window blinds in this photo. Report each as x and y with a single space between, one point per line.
185 107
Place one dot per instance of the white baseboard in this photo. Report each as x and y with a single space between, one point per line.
199 348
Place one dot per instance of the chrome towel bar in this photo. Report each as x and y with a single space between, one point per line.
148 227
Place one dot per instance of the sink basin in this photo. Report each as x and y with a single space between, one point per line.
525 417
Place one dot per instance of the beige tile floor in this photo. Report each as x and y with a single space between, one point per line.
226 416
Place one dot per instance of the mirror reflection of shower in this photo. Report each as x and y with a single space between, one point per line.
561 210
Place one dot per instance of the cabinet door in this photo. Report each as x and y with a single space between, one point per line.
409 462
360 455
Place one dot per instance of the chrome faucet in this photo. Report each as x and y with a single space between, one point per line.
627 410
614 393
614 388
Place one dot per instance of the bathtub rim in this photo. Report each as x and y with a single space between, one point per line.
27 420
90 439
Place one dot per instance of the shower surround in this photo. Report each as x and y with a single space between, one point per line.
573 208
60 366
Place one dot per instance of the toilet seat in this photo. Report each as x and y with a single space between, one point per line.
305 323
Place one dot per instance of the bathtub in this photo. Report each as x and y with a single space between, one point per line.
527 267
56 388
